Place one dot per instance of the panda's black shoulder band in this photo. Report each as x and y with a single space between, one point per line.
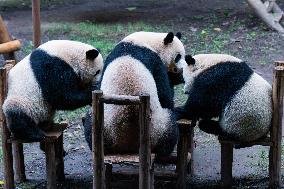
189 59
169 38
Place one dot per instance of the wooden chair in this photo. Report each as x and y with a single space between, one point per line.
273 141
146 168
53 146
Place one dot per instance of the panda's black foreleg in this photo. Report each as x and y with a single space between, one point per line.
23 127
210 126
74 100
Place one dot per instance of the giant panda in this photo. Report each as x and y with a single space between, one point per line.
225 87
58 75
139 64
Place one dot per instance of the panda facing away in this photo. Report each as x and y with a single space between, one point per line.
139 65
58 75
223 86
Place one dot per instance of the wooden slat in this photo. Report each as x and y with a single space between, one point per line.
98 141
226 164
276 128
19 162
50 165
4 37
145 144
10 46
121 100
51 135
6 147
263 142
182 151
36 23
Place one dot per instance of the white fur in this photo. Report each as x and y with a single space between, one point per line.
202 62
155 42
248 115
74 53
25 93
23 90
128 76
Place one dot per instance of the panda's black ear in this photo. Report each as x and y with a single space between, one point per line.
169 38
92 54
178 35
189 60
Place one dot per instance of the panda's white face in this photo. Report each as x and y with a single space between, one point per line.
166 45
202 62
96 67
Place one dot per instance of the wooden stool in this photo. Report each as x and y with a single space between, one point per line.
274 140
103 171
53 147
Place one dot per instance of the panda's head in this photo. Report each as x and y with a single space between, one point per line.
167 45
194 65
85 60
94 65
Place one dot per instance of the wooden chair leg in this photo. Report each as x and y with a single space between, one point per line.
19 162
50 168
108 174
185 139
226 164
8 165
59 159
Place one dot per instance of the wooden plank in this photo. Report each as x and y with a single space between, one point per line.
276 128
182 153
19 162
226 164
98 141
10 46
6 147
4 37
264 142
36 23
145 143
50 165
121 100
59 159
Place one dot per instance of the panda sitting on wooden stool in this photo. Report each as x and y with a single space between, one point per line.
58 75
223 86
139 64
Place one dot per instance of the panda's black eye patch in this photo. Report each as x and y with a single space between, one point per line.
178 57
97 72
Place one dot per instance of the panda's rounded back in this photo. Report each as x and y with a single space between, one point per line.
248 115
127 76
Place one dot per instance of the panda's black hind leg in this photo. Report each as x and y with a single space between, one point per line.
210 126
23 127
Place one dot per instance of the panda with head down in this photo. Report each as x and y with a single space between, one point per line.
224 87
58 75
139 64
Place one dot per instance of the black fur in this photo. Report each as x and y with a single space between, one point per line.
178 35
178 57
213 89
23 127
92 54
167 142
175 78
61 86
189 60
169 38
153 63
